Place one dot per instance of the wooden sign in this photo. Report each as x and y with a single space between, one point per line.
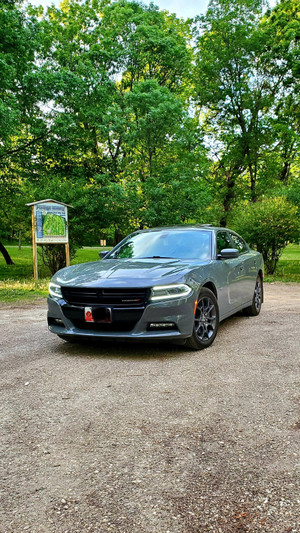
49 226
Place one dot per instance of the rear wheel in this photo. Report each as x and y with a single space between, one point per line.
206 321
255 307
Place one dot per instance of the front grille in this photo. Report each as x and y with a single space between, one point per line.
122 319
108 297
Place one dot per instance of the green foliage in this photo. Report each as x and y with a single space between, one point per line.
246 80
53 256
138 118
269 225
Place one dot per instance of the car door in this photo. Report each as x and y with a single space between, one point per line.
233 271
248 268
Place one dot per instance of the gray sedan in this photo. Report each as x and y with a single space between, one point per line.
173 283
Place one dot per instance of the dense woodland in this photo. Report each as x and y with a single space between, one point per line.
138 118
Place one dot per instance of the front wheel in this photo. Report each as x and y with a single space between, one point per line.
255 307
206 321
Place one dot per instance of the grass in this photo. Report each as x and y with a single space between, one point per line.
13 290
16 281
288 266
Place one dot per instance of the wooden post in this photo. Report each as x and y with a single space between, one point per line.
67 246
34 246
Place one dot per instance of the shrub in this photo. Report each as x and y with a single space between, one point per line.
268 225
54 256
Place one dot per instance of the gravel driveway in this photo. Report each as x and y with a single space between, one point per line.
152 439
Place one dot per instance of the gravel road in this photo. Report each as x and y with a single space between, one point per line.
152 439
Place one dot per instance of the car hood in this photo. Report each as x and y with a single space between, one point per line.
129 272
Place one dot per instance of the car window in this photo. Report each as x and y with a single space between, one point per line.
223 241
239 244
185 244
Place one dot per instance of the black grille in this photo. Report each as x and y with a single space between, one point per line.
109 297
121 316
122 319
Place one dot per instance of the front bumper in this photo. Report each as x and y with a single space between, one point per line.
68 320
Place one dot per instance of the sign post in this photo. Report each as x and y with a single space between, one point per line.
49 226
34 246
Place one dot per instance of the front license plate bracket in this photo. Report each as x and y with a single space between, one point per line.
99 315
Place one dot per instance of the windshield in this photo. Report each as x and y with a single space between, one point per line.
166 244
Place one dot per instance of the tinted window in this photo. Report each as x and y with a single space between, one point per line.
223 241
239 244
174 244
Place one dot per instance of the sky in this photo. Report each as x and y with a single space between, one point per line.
182 8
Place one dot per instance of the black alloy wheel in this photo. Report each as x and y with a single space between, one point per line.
206 321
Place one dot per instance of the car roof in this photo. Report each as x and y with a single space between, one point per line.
183 227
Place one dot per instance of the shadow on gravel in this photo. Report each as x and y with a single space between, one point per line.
137 350
116 350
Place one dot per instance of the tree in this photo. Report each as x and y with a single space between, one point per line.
243 82
21 126
269 225
281 55
113 108
119 76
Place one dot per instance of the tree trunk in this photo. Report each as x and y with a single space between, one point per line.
285 172
229 195
117 237
252 183
6 255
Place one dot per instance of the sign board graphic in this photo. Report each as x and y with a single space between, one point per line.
51 223
49 220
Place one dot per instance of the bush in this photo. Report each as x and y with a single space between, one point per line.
268 225
54 256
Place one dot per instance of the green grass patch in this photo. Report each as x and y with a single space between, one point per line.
12 290
16 281
288 266
291 253
23 264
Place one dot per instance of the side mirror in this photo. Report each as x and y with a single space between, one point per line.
228 253
103 253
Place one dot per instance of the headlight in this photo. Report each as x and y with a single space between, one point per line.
55 290
169 292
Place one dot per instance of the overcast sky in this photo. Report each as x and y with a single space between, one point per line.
182 8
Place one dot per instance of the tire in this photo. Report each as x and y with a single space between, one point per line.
206 321
255 307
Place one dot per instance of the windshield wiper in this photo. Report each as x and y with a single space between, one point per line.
159 257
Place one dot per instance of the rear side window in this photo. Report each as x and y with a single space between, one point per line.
238 243
223 241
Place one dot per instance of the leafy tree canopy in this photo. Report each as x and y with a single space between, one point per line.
139 118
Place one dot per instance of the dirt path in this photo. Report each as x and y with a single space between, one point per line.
152 439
